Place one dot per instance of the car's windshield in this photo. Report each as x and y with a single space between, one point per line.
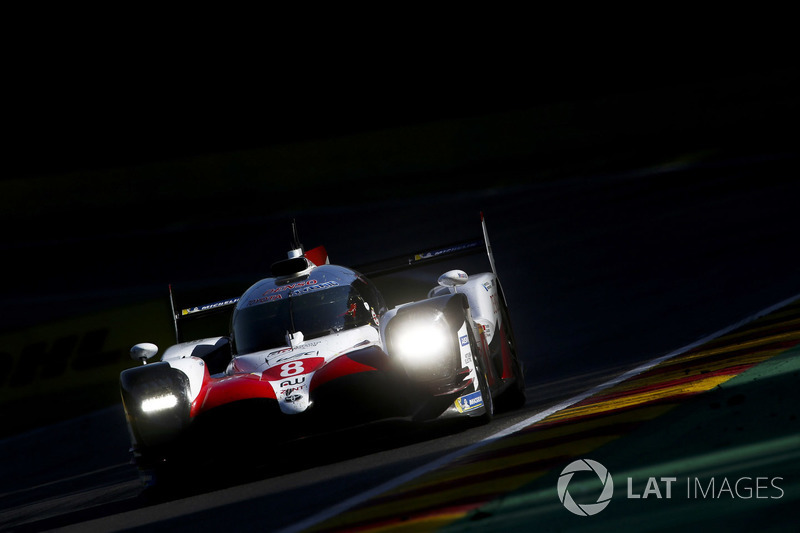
317 313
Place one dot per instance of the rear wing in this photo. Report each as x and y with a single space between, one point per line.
441 253
179 317
224 308
403 262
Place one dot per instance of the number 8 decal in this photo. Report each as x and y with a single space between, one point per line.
292 368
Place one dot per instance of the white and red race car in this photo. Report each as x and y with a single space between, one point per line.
313 348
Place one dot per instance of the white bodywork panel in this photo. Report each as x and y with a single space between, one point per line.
197 347
195 369
183 357
481 291
467 359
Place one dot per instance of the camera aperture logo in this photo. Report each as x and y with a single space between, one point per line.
588 509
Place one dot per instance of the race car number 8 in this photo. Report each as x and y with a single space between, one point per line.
292 368
296 367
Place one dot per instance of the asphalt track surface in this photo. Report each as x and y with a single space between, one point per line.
602 273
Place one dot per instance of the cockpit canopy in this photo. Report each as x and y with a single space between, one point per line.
326 300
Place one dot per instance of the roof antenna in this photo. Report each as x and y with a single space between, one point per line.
294 234
297 248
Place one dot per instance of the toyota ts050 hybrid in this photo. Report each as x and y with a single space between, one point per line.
314 349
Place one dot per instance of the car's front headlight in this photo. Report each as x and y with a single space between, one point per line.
419 343
159 403
425 345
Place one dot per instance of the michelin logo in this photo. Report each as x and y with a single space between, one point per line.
469 402
223 303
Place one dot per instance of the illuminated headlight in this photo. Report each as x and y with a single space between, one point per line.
159 403
420 343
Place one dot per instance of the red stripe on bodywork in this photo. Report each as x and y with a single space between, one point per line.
486 356
230 389
508 363
339 367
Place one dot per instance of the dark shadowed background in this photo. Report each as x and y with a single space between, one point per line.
636 202
122 176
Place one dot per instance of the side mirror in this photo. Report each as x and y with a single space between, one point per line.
294 339
453 278
143 351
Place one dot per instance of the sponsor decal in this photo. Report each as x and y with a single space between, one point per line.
265 299
207 307
318 287
464 340
293 386
294 289
309 344
290 286
487 285
277 352
443 251
296 356
295 381
301 287
469 402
